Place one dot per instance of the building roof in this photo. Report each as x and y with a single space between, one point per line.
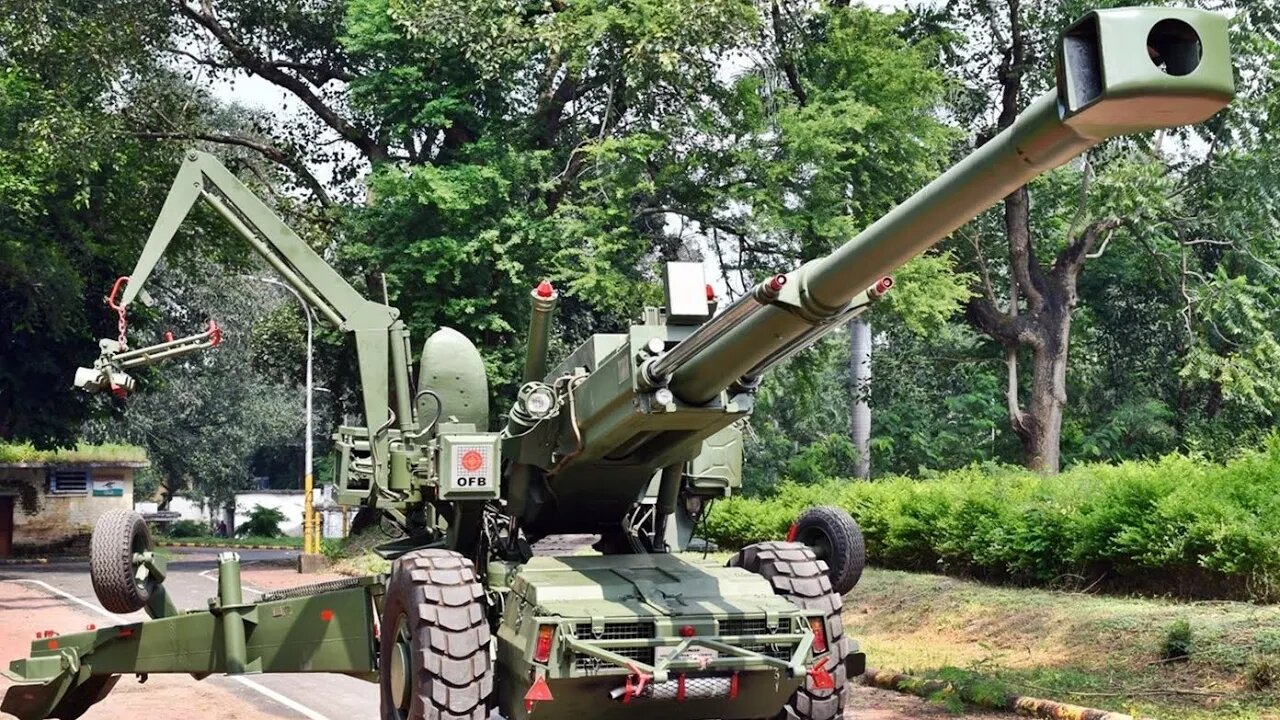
13 455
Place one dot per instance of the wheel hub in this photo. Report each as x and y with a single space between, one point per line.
818 542
401 667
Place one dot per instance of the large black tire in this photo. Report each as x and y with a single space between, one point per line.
797 575
434 645
117 535
835 537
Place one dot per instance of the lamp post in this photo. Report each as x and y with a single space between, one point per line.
310 534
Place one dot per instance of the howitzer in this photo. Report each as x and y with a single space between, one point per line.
630 437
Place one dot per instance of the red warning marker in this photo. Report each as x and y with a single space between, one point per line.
545 289
538 692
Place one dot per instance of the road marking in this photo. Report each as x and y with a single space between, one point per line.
242 585
268 692
256 687
68 596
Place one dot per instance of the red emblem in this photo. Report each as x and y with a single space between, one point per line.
472 460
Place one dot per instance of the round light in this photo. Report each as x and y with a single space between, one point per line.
663 396
655 345
539 402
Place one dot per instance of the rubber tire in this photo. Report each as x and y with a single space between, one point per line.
117 535
439 595
848 552
79 699
797 575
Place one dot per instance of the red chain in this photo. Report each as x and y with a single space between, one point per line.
122 324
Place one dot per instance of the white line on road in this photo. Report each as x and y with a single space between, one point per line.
68 596
242 585
291 704
256 687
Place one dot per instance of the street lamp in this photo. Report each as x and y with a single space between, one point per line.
310 534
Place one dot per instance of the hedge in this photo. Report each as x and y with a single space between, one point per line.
1178 525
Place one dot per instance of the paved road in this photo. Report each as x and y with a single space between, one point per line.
62 596
192 580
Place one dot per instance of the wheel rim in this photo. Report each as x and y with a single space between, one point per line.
401 668
818 541
137 547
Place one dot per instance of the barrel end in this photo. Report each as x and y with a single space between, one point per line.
1135 69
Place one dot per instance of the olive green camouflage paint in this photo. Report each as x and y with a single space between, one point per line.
662 399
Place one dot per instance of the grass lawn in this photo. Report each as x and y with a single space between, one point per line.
1089 649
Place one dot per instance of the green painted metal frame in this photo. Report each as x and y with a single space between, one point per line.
329 632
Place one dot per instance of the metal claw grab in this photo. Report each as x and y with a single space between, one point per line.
108 371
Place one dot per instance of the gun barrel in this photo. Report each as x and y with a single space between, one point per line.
1119 71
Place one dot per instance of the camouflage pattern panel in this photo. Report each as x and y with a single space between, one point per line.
717 470
584 624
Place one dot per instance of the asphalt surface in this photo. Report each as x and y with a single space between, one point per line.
192 580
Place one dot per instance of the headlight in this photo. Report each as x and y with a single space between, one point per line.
540 402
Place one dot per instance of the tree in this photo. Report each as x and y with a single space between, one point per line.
204 418
1123 198
72 193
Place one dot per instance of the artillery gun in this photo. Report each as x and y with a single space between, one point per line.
630 437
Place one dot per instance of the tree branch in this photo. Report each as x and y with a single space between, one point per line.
784 55
274 154
254 63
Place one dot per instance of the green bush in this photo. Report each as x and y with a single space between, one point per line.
263 522
1178 525
186 529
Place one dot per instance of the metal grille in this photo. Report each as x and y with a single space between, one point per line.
781 652
616 631
755 626
745 626
639 654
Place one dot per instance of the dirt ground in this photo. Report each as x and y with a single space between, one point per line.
26 610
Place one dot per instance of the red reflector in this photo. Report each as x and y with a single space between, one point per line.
53 644
711 293
688 631
822 679
538 692
126 632
542 651
819 634
792 532
326 615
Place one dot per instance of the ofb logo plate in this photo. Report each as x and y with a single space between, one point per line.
469 466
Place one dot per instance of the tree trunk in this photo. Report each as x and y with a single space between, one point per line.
1041 426
860 373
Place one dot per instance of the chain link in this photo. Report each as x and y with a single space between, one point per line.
123 325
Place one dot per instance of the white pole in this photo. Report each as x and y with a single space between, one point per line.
310 539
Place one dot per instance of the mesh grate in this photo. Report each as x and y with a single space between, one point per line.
745 626
616 631
781 652
640 654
